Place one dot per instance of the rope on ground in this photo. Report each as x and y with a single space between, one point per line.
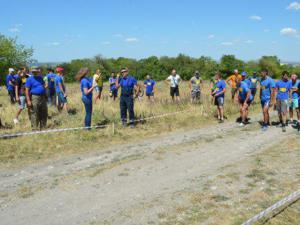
20 134
284 202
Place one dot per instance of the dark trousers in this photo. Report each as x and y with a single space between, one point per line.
88 105
12 96
38 112
127 104
51 96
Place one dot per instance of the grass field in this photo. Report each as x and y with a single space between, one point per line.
32 148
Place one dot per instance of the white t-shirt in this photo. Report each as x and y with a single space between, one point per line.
174 80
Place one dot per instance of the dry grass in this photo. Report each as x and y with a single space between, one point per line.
33 148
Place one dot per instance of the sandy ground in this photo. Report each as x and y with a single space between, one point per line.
129 184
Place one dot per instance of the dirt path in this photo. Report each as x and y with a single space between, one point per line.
129 184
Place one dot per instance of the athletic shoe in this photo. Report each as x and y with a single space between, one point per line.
264 128
16 121
284 129
241 124
132 126
221 121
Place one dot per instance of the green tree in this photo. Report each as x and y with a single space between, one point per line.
229 63
272 63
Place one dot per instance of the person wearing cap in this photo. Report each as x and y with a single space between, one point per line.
219 95
98 82
244 79
35 91
245 98
253 81
20 93
294 106
62 102
10 85
231 81
174 79
195 87
113 90
128 85
149 85
86 87
50 78
283 90
267 97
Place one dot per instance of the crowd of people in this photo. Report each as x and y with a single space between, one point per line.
36 92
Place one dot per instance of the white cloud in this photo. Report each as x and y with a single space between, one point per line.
291 32
105 43
211 36
255 17
227 43
131 40
293 6
16 28
249 42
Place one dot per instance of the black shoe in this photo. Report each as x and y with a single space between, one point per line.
239 120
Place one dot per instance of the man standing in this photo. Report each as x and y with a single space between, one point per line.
61 90
113 91
295 100
267 97
36 99
10 85
149 85
20 93
195 87
231 81
51 87
128 84
253 81
283 93
245 99
174 80
219 96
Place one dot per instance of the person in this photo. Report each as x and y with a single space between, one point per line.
20 93
51 76
149 85
35 92
113 91
10 85
128 84
244 79
98 82
231 81
195 87
62 102
295 100
283 93
245 99
174 80
267 97
219 95
253 81
86 87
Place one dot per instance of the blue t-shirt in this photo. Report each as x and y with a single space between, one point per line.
59 80
127 84
219 87
86 83
10 78
283 88
36 85
253 81
266 86
51 80
112 83
149 86
244 90
296 84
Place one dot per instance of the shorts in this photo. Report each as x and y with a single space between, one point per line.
98 89
243 102
174 91
219 101
295 104
282 106
22 102
151 94
253 92
113 93
61 98
196 94
233 91
265 103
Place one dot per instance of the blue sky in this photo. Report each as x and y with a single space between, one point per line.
65 30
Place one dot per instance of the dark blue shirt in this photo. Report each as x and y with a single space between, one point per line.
266 86
10 78
127 84
86 83
59 81
253 81
219 87
149 86
244 90
36 85
51 80
283 88
112 83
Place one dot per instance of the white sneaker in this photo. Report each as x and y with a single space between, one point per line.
242 125
16 121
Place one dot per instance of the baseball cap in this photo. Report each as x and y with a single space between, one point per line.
59 69
124 70
34 69
11 70
244 74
